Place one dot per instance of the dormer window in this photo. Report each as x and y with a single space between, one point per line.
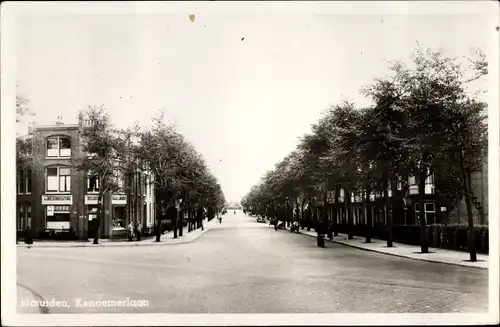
58 147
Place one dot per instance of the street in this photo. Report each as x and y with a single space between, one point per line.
242 266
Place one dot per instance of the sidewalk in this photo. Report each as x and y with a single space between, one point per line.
408 251
165 239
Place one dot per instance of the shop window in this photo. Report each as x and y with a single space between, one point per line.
58 146
58 217
58 179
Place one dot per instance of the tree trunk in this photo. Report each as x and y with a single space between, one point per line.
97 226
159 211
423 225
471 242
350 234
387 208
302 215
336 211
181 221
368 227
175 220
309 215
324 218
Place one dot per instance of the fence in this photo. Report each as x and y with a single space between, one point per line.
452 237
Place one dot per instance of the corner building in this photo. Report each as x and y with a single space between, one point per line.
55 198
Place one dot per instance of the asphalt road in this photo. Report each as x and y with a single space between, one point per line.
242 266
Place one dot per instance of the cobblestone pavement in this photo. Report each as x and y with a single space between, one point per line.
242 266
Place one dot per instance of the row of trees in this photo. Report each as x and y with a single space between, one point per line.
423 121
179 173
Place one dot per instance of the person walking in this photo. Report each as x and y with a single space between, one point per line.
320 229
130 231
139 231
28 237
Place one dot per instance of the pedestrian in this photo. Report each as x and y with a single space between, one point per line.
130 231
28 237
320 230
220 220
275 223
139 231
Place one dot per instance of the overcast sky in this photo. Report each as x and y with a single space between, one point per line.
241 86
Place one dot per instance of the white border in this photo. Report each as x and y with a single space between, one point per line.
8 64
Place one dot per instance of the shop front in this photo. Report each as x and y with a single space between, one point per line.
91 207
119 215
57 211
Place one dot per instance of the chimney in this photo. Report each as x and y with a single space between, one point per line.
59 121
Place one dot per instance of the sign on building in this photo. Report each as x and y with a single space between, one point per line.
57 199
50 210
119 199
91 199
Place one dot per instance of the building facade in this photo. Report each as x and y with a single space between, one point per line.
54 196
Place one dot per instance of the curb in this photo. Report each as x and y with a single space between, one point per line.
119 244
396 254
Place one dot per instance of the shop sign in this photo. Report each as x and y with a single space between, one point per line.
58 225
57 199
50 210
91 199
119 199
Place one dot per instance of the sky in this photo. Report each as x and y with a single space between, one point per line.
242 86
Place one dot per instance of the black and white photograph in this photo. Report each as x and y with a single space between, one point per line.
250 163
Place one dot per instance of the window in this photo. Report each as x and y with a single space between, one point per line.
430 210
64 179
64 147
28 216
52 179
22 182
18 182
92 184
412 180
19 216
58 147
28 180
58 179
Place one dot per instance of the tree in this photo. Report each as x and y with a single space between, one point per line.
465 147
429 98
100 145
22 108
180 174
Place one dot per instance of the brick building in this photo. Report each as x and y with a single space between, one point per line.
54 196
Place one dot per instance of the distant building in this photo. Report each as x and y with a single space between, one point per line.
54 196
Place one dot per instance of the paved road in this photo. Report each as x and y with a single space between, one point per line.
242 266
